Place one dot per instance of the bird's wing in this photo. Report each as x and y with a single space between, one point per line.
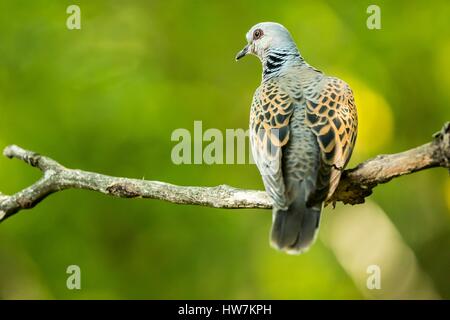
271 110
331 114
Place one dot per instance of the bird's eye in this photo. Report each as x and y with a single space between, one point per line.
257 34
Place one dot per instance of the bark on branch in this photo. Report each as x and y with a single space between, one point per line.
355 185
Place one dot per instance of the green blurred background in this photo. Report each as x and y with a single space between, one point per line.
107 97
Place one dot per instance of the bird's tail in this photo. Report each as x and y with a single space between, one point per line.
294 230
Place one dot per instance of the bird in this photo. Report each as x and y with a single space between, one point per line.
303 128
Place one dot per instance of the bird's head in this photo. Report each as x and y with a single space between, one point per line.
266 36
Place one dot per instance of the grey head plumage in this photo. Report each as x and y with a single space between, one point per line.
272 43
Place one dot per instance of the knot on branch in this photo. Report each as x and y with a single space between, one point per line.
25 203
442 138
123 190
350 191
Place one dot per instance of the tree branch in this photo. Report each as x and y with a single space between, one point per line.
355 184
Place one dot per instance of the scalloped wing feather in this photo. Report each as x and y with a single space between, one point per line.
270 113
331 114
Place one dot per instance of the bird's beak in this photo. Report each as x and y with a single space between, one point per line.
242 53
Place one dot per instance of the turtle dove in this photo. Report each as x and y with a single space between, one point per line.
303 127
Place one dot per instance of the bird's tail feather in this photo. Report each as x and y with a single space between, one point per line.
294 230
